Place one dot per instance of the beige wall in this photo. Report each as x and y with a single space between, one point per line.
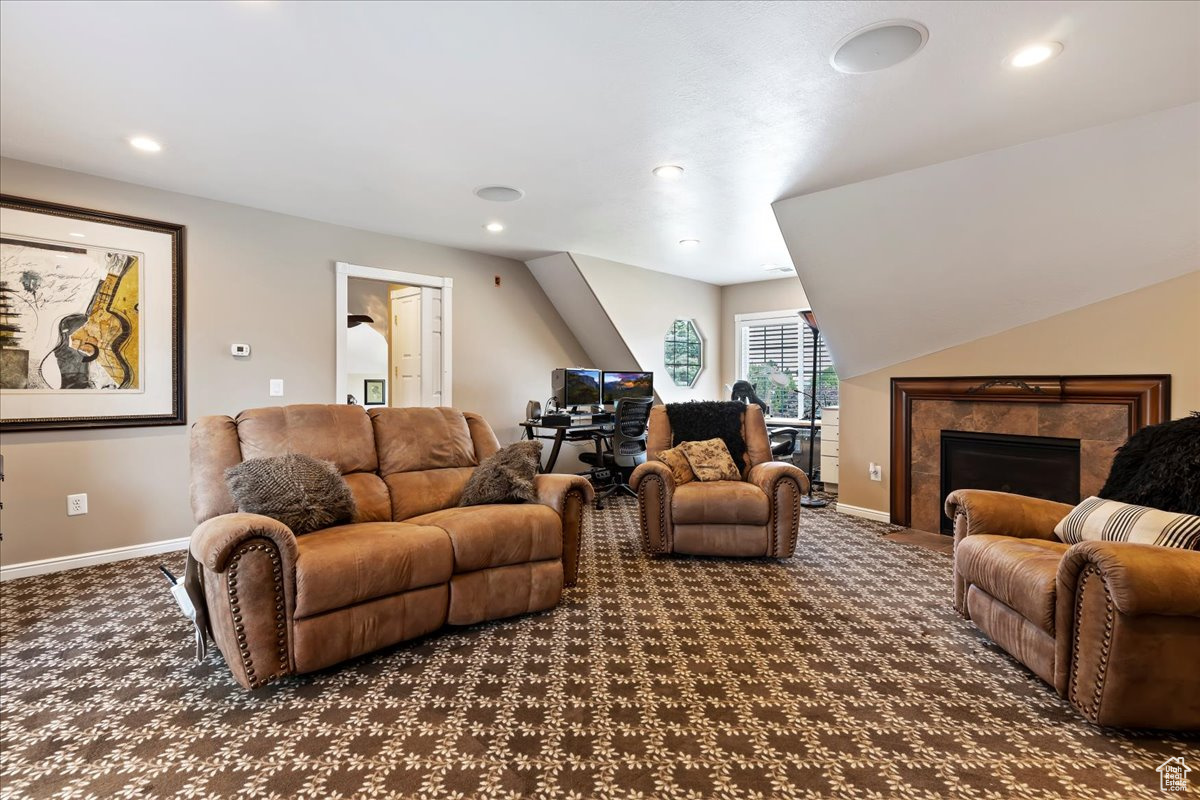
266 279
1150 331
780 294
642 304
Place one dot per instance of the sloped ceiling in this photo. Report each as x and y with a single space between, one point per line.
915 262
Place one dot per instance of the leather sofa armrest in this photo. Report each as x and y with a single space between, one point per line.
1127 634
977 511
655 487
567 495
216 539
783 484
1140 578
249 587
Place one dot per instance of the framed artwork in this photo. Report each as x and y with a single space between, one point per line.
91 318
374 392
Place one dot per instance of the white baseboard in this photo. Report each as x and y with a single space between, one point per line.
865 513
47 565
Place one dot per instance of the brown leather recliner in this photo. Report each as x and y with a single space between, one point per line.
1113 626
756 516
408 563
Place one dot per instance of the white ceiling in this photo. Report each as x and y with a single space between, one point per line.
386 116
911 263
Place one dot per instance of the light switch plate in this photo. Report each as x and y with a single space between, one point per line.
276 387
875 472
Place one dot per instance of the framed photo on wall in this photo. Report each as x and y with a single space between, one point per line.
91 318
374 392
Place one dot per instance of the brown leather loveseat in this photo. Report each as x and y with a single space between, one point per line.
408 563
1113 626
756 516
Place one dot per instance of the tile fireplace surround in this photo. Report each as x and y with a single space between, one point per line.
1100 411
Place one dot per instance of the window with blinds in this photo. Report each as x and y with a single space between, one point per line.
777 357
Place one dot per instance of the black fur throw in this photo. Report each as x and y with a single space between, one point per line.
710 419
1159 467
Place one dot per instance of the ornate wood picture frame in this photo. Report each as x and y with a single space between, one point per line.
91 318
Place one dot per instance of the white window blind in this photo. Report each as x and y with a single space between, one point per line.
776 358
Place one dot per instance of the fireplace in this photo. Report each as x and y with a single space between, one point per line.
1037 466
1099 411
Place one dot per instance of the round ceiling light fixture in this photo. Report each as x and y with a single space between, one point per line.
145 144
879 46
499 194
1033 54
494 227
689 243
670 172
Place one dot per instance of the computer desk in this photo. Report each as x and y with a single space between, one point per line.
575 432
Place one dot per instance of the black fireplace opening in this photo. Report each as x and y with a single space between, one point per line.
1037 466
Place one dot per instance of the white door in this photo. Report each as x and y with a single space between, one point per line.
431 347
416 328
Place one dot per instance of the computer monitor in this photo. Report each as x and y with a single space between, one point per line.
576 387
626 384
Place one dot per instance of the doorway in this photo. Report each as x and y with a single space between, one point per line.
393 336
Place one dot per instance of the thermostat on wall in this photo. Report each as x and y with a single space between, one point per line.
240 350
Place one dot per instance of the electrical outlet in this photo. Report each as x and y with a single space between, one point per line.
276 387
76 504
875 471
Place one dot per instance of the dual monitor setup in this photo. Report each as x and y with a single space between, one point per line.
590 387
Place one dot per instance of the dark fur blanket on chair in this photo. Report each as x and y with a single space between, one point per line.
710 419
1159 467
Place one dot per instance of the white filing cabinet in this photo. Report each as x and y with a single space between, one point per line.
829 444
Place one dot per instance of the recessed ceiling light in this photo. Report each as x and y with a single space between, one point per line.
499 194
494 227
879 46
669 172
77 235
778 268
145 143
1033 54
689 242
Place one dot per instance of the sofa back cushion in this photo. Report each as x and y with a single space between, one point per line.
1096 519
339 434
426 455
398 462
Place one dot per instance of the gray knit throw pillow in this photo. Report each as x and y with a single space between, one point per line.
301 492
506 476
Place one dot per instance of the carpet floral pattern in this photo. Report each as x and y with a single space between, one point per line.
842 672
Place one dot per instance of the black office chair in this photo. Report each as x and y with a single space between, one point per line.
781 450
628 448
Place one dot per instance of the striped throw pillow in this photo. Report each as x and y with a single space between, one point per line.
1101 520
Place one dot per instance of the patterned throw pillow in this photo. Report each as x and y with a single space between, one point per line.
506 476
304 493
710 460
681 470
1096 519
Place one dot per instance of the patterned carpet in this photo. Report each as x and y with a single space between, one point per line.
842 673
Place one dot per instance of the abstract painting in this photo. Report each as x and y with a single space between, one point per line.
91 331
68 317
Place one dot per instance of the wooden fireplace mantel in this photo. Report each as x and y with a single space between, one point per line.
1146 398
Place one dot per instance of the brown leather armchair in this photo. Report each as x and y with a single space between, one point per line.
756 516
409 562
1113 626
